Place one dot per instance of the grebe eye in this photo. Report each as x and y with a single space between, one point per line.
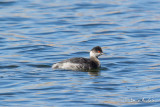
99 51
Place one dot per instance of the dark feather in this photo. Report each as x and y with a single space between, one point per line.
84 63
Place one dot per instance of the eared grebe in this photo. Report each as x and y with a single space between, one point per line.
79 63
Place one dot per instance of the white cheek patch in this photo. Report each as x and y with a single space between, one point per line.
92 54
95 54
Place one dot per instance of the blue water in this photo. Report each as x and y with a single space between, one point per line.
34 34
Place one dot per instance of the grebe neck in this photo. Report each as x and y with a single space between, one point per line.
94 58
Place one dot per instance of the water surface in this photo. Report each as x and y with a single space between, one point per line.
36 34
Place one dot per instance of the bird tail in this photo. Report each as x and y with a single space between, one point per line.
55 66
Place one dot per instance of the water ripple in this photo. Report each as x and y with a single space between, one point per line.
7 3
36 34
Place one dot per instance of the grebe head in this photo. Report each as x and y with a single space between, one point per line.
96 52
